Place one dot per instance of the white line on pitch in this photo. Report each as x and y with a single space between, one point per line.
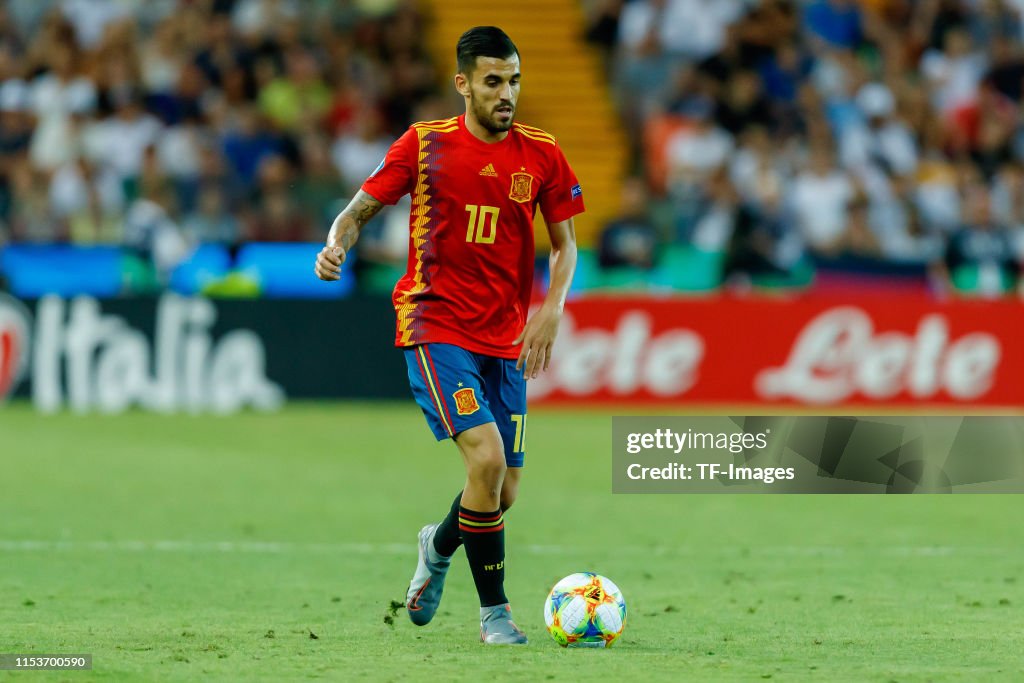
287 547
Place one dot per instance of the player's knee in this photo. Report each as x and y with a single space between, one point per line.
487 467
508 496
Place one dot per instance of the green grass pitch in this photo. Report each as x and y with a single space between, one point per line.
203 548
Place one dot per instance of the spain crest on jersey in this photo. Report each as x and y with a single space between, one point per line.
522 187
465 401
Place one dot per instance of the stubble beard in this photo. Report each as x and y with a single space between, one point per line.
486 118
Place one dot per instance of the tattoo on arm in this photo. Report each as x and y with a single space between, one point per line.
351 220
362 208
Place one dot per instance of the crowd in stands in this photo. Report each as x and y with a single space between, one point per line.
771 139
162 124
853 135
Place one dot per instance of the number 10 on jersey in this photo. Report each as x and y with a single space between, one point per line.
483 224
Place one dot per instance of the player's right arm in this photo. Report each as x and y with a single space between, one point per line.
393 178
344 233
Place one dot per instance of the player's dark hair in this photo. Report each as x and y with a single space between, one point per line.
482 41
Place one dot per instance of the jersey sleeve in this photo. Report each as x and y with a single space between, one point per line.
396 174
561 197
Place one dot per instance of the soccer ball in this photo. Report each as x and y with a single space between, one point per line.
585 610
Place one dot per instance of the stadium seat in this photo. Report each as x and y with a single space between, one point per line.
967 281
34 270
207 263
625 278
800 277
686 268
285 271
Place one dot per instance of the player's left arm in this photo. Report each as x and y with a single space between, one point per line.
538 337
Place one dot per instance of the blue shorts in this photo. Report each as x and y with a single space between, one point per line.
459 389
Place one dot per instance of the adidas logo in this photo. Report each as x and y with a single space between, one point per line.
489 170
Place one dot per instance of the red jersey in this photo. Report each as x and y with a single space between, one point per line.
471 252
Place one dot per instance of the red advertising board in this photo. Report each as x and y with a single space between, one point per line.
900 350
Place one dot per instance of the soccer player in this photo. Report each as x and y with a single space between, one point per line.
476 181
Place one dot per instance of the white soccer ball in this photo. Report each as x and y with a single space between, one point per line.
585 610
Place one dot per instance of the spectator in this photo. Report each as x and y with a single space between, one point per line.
879 139
643 66
161 60
821 195
994 145
152 233
255 19
358 152
279 219
769 25
30 218
954 72
858 240
896 221
743 104
15 135
689 95
90 199
1008 196
783 72
717 70
299 99
602 28
60 98
763 242
980 257
276 215
214 173
120 140
696 29
224 60
936 194
993 20
179 152
639 26
756 162
212 220
91 18
695 155
248 144
629 239
1006 74
836 23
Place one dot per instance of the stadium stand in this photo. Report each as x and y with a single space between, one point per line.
830 144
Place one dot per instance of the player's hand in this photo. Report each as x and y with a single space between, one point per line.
537 338
328 263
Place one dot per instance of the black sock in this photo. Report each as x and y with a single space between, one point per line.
447 538
483 534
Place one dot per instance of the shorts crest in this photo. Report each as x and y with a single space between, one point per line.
465 401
